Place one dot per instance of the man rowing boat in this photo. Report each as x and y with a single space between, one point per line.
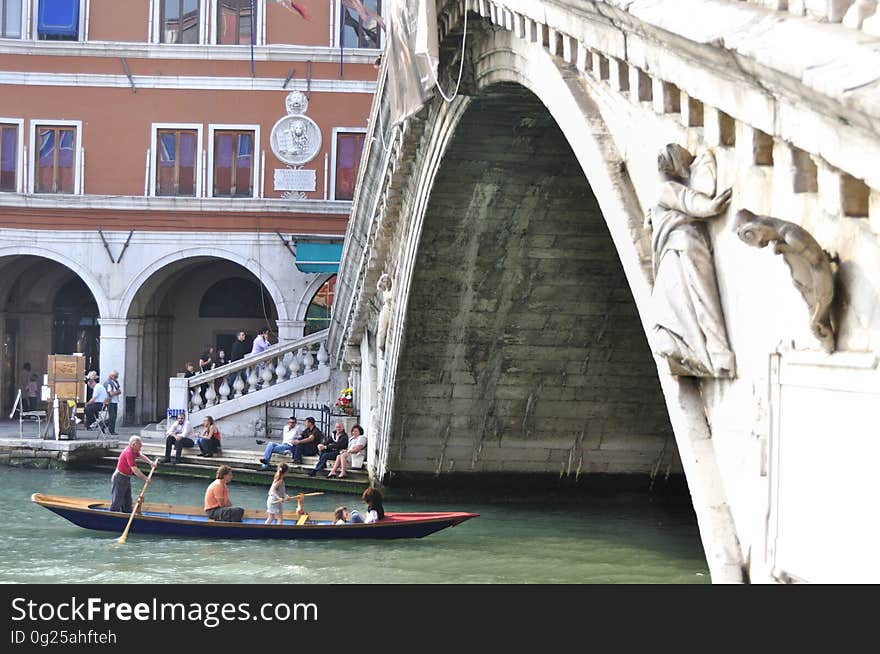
120 482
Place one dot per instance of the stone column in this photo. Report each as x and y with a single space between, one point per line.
166 367
113 340
3 381
133 376
290 330
369 401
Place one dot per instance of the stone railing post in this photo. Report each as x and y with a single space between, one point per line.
178 394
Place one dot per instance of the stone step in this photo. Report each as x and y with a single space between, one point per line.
242 460
206 468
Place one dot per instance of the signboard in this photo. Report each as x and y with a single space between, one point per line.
289 179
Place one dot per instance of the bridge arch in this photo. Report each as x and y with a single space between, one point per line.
504 62
534 89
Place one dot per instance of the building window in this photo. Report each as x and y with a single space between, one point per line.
179 21
8 157
54 171
361 29
58 20
176 169
320 308
235 25
349 146
233 163
10 19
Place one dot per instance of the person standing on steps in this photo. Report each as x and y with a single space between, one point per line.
237 353
114 390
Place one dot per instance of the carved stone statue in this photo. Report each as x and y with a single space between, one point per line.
383 286
689 329
810 266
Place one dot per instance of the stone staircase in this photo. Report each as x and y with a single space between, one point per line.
241 393
245 466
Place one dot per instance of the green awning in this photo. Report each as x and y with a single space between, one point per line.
318 256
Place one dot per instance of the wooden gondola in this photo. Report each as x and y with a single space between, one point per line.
191 522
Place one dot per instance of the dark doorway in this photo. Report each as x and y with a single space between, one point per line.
75 323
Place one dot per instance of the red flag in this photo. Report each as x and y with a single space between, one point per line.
292 5
300 9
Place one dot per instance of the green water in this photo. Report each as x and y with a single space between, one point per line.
507 544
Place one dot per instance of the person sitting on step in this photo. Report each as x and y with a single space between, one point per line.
330 448
209 441
291 433
307 443
354 455
179 435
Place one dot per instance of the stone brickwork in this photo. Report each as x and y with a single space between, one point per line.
523 349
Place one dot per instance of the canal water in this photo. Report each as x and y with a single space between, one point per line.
607 543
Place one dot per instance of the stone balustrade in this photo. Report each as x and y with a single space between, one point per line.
856 14
281 362
746 127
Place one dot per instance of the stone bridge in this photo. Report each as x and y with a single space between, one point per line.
515 330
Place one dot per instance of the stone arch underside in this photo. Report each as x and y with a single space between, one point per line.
165 329
146 283
523 350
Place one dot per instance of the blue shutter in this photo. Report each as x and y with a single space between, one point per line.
318 257
58 18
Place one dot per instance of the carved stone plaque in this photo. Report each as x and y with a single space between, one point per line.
290 179
295 139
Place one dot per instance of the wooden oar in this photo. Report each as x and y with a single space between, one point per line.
137 505
299 501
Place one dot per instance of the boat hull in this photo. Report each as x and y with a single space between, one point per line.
184 522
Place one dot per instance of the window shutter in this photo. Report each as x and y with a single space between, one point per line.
58 18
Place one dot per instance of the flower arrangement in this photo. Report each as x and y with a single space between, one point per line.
344 401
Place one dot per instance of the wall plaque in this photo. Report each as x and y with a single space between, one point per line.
291 179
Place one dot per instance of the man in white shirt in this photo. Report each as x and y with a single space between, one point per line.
179 435
292 432
99 398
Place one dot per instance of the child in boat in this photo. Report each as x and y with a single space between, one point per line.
340 516
277 496
375 511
